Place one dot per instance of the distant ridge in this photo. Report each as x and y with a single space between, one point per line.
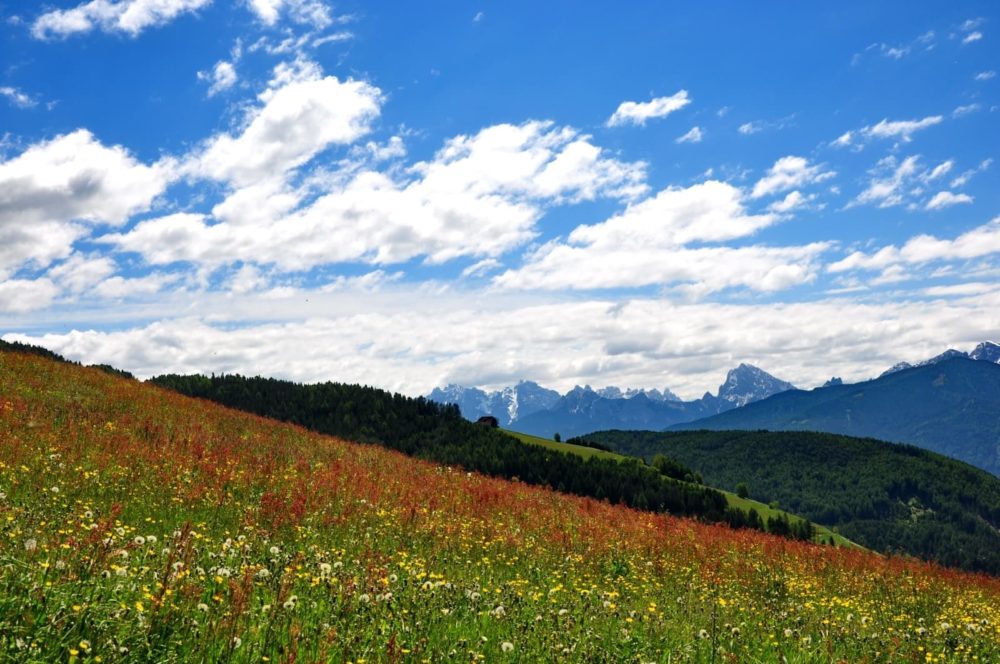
950 406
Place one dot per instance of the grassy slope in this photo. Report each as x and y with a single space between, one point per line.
765 511
138 525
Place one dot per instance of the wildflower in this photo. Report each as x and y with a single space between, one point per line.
274 550
393 578
30 545
151 539
563 612
224 572
237 642
85 645
203 607
139 540
263 573
364 598
499 612
265 608
325 569
507 646
290 603
54 489
735 632
788 633
703 634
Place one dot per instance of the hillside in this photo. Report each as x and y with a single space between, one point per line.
951 407
140 525
881 495
766 512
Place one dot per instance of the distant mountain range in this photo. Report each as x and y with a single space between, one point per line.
950 406
530 408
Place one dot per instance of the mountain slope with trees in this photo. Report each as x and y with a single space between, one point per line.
881 495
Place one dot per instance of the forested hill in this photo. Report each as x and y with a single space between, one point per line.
881 495
437 432
951 407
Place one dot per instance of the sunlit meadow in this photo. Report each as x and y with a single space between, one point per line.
138 525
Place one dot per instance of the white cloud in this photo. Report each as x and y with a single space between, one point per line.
313 13
647 245
963 179
297 120
637 113
965 110
901 130
22 295
693 135
646 342
222 77
479 268
940 170
888 182
478 17
17 98
117 288
479 196
978 242
944 199
80 272
794 200
970 288
51 191
748 128
790 173
985 75
128 16
972 37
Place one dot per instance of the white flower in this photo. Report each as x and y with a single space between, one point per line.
290 603
563 612
203 607
30 545
151 539
702 634
325 569
263 573
507 646
54 489
788 633
224 572
274 550
364 598
139 540
237 642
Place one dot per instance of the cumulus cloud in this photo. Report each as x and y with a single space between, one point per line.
978 242
128 16
54 190
23 295
479 196
80 272
944 199
789 173
222 77
644 342
889 178
647 244
638 113
693 135
901 130
313 13
297 120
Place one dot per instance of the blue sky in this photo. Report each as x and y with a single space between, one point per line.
408 195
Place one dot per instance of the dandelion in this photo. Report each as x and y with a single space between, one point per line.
224 572
325 569
54 489
364 598
237 642
499 612
30 545
703 634
788 633
203 607
563 612
85 645
274 550
151 539
393 578
139 540
263 573
507 646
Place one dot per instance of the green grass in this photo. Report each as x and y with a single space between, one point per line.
566 448
765 511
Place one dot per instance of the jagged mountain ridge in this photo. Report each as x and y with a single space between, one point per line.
533 409
986 351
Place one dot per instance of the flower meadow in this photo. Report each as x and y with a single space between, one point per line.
139 525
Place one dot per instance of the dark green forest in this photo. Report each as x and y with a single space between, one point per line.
437 432
885 496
